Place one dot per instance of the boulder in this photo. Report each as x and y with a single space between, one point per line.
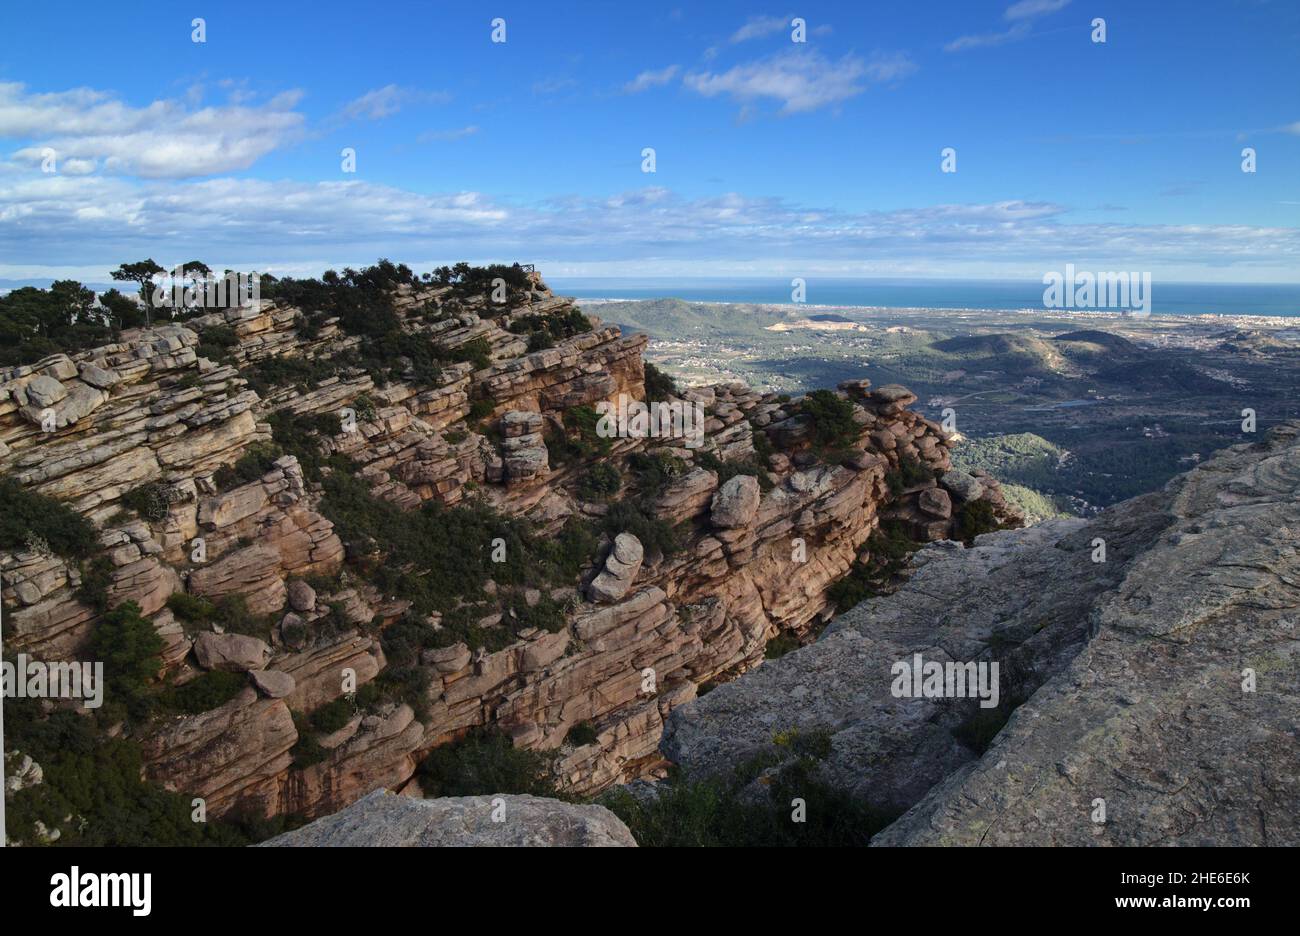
736 503
387 820
44 391
935 502
234 653
302 597
272 683
965 486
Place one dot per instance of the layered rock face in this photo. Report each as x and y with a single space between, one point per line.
385 820
1148 659
641 630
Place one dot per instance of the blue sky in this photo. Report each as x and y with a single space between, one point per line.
772 157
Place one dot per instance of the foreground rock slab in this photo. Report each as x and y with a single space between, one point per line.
388 820
1150 693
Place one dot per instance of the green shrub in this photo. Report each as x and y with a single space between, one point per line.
783 643
307 750
832 419
191 609
257 460
333 716
655 470
974 518
544 330
203 693
476 352
99 780
30 518
712 813
599 482
481 409
726 470
659 386
485 761
581 441
582 733
129 647
150 501
655 534
96 578
364 407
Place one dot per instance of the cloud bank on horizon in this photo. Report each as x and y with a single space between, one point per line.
807 142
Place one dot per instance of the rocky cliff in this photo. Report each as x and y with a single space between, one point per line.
222 460
1149 678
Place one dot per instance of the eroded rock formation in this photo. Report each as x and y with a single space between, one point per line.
149 424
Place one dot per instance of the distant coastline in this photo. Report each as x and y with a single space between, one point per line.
1245 320
1279 301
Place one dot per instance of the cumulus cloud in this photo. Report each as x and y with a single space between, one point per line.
800 80
90 130
651 79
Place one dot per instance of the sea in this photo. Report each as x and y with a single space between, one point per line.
1280 300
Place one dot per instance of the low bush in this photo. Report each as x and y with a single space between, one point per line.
29 519
483 762
599 482
203 693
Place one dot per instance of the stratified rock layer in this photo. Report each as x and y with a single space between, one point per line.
150 418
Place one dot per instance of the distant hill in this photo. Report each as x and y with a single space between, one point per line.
676 318
1016 354
1102 341
1252 341
1160 374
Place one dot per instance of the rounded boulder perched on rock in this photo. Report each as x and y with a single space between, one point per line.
273 684
234 653
965 486
735 503
302 597
935 502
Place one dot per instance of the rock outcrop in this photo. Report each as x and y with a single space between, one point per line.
1146 657
169 454
387 820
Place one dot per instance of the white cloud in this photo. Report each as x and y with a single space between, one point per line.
388 100
961 43
800 79
1020 15
275 226
90 130
759 26
458 133
1028 9
651 79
